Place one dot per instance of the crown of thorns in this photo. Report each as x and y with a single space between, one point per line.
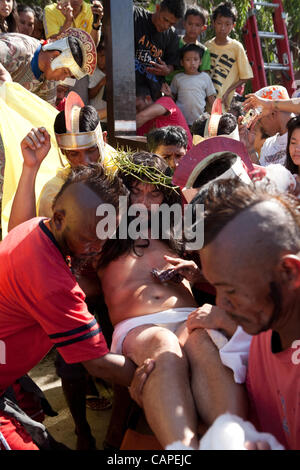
144 173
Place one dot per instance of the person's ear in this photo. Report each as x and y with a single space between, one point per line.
104 134
181 62
204 28
157 8
58 219
289 271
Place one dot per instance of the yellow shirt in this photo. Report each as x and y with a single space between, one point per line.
229 64
52 187
54 19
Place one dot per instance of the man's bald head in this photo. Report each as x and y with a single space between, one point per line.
74 217
261 211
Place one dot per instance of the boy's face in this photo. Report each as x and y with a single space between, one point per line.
223 26
194 26
191 62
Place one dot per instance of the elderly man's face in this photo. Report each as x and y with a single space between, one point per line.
248 295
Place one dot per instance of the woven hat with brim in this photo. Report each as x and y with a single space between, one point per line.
273 92
66 59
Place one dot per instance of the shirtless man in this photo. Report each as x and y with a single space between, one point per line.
149 321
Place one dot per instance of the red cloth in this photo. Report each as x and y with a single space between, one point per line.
41 305
175 118
61 104
273 384
15 434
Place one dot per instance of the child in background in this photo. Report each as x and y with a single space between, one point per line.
195 23
191 88
26 20
230 67
38 32
97 83
8 16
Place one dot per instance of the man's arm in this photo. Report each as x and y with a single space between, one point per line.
161 68
35 146
289 106
153 111
97 10
210 100
112 367
231 88
51 26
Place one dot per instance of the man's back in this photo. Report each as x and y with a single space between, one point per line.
172 117
130 289
41 303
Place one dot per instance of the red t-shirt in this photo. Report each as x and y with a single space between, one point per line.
41 305
273 384
174 118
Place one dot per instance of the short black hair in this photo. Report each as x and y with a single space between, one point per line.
169 135
75 47
226 9
196 10
88 120
176 7
192 47
227 124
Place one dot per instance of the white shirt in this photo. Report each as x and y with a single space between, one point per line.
274 150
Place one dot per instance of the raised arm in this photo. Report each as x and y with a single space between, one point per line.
35 146
289 106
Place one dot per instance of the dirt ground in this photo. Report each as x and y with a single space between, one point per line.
62 426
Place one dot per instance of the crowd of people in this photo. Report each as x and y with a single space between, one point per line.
194 329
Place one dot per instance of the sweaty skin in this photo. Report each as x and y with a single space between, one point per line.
130 289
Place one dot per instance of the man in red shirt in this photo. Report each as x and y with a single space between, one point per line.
41 303
252 257
160 113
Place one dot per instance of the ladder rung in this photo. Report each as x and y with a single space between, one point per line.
273 66
265 34
266 4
